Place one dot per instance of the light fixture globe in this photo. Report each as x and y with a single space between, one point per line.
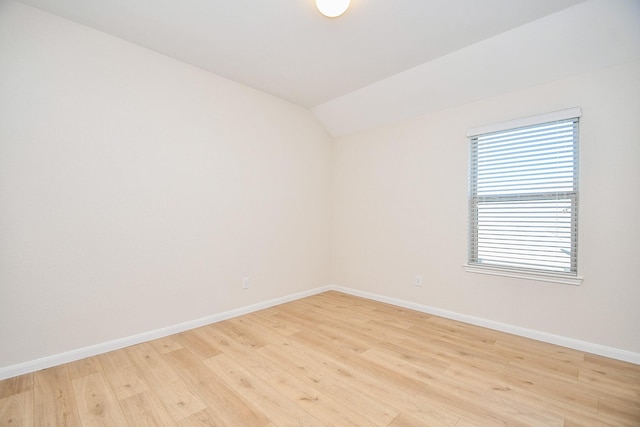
332 8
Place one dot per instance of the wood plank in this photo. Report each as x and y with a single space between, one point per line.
180 400
334 379
145 409
237 330
125 379
266 399
84 367
605 383
228 407
612 365
406 419
548 385
202 418
17 410
196 344
250 359
166 344
321 406
54 399
471 399
16 385
618 410
152 365
126 382
273 323
97 404
490 383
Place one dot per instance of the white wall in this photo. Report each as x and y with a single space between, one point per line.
136 191
400 209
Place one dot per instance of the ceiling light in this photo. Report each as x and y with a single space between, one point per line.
332 8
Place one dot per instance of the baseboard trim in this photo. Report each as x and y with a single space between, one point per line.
81 353
602 350
72 356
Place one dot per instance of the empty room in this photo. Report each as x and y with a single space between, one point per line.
319 213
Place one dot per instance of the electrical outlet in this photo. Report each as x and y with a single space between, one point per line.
418 280
245 283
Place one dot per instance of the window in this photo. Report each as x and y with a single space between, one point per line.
523 198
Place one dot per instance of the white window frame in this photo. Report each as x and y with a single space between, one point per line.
556 277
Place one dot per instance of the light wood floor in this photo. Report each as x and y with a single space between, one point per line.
331 360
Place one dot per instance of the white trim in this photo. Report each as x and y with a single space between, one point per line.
529 275
81 353
71 356
602 350
526 121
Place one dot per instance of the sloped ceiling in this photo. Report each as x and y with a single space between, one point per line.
348 70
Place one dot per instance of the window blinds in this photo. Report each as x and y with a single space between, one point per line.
524 197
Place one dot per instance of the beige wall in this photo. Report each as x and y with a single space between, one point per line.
136 191
400 210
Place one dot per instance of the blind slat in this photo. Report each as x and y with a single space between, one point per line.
524 197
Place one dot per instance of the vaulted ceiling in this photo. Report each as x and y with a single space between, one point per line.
286 48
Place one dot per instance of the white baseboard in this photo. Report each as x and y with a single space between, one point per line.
71 356
81 353
611 352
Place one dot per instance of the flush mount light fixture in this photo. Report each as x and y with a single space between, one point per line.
332 8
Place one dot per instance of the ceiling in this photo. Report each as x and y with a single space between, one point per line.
286 48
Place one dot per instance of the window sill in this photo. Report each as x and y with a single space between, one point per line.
544 277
